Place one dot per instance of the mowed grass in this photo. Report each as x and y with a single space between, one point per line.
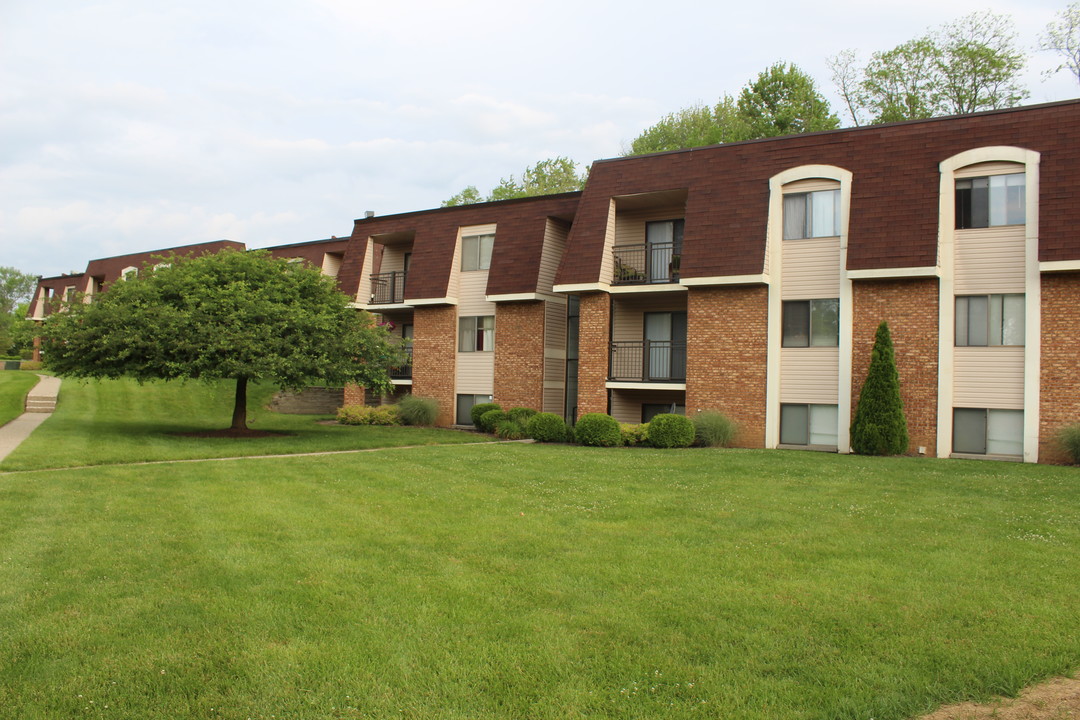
120 421
528 581
14 385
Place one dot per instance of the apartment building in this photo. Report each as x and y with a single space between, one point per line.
750 278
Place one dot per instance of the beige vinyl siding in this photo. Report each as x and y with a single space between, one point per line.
331 264
473 285
363 289
456 287
393 259
811 269
811 185
809 375
607 262
988 377
554 356
554 397
554 246
555 326
989 168
630 224
626 405
628 317
476 373
990 260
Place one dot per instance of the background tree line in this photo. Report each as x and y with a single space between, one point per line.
965 66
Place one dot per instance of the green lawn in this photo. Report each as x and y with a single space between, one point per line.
14 385
527 581
120 421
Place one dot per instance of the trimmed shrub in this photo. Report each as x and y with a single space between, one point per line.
520 414
879 427
368 415
510 430
634 434
546 427
713 429
30 365
1069 439
490 419
418 410
480 409
598 430
671 431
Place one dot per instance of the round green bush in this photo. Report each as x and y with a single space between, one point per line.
671 431
490 419
478 410
598 430
520 414
633 435
713 429
546 427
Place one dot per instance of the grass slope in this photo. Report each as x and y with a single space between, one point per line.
120 421
535 582
14 385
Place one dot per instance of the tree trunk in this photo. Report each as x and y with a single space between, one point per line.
239 415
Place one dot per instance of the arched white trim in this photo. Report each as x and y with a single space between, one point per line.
129 269
774 248
1032 290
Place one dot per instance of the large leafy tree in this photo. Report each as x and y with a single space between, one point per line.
16 288
1063 37
781 100
547 177
965 66
232 315
695 126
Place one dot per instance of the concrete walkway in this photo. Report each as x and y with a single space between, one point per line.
40 403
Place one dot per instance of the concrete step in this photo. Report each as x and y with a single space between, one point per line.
42 405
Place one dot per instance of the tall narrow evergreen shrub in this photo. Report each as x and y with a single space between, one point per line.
879 426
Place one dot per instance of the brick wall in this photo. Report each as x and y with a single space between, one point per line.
435 357
911 309
1060 395
726 353
594 339
519 354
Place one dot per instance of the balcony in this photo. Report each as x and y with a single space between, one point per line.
388 288
403 371
647 361
647 264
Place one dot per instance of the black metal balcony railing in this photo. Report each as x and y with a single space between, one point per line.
403 371
388 288
644 264
648 361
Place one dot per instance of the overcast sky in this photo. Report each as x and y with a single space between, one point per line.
128 125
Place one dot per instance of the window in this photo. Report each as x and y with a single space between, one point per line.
981 431
808 425
990 201
651 410
812 214
465 405
983 320
663 246
476 252
811 323
476 334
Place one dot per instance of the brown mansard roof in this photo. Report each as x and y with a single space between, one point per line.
894 201
515 259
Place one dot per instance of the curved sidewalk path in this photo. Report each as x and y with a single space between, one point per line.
40 402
